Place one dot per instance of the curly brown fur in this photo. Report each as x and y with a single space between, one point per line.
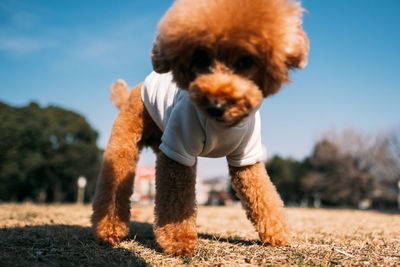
132 129
262 203
229 55
221 50
175 206
227 31
119 93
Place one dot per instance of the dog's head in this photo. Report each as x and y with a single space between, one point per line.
230 54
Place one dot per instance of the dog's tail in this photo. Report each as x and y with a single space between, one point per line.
119 93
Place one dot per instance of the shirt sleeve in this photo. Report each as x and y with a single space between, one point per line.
183 138
250 150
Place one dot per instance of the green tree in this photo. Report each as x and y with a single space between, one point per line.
286 174
43 151
335 177
351 167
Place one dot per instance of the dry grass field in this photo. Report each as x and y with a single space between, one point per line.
60 235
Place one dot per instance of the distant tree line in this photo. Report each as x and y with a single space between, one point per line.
345 169
43 151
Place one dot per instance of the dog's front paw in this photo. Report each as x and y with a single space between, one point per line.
110 230
276 234
277 239
175 240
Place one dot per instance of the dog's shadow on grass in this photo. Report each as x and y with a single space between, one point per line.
143 233
67 245
231 240
60 245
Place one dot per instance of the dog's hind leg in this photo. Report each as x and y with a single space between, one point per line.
115 185
175 209
261 201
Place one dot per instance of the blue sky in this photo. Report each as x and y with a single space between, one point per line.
69 52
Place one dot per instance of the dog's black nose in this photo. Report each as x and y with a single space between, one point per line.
215 110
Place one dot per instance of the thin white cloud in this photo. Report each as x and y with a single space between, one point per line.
17 29
108 46
23 45
95 49
23 20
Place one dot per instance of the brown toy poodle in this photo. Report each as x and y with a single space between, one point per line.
215 61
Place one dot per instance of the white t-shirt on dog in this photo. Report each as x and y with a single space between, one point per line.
188 133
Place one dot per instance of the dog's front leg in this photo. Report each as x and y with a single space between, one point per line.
175 206
261 201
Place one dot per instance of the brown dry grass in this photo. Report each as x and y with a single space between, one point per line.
60 235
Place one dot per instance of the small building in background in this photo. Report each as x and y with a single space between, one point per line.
144 187
218 191
202 191
208 192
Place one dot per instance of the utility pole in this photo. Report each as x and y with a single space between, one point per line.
398 195
81 189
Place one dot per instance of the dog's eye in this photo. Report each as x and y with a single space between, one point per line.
244 63
201 59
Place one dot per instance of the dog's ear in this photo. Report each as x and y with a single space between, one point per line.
295 55
158 59
297 49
